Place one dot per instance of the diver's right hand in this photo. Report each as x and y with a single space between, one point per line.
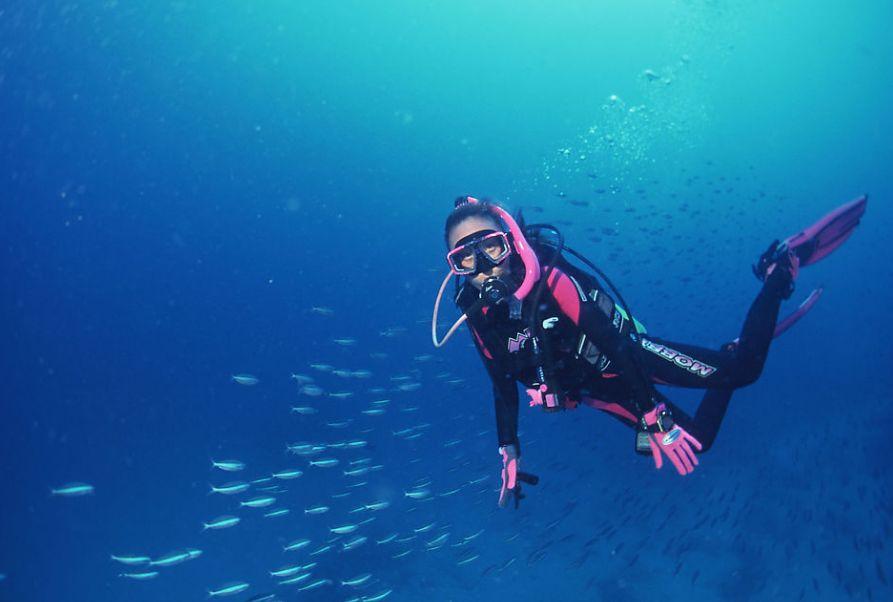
670 439
510 466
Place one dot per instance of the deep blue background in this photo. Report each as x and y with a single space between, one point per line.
181 183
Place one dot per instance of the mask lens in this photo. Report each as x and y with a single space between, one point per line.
462 260
495 247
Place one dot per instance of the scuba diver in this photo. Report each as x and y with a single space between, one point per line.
538 319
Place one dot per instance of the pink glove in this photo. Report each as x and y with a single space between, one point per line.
671 440
510 465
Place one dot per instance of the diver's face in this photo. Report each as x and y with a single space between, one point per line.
469 226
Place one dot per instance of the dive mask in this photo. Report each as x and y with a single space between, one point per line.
478 252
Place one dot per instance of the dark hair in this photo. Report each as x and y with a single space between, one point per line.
466 210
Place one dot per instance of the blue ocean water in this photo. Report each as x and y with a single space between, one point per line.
194 190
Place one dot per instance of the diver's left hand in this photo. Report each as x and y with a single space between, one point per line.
510 465
671 440
512 477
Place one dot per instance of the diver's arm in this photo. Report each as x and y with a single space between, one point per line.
505 394
505 400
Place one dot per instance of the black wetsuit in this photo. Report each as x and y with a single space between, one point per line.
596 355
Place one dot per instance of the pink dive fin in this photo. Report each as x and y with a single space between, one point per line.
823 237
783 325
798 313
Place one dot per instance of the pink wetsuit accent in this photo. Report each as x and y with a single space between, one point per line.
566 294
480 341
613 408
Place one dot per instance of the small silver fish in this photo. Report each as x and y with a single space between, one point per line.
437 541
354 543
426 528
287 571
292 473
295 579
358 580
276 513
229 465
221 522
259 502
171 559
417 494
315 585
131 560
231 488
143 576
73 490
311 390
356 472
387 539
296 545
230 589
321 550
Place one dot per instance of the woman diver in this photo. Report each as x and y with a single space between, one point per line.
538 319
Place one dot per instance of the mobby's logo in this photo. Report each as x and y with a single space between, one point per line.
680 359
516 343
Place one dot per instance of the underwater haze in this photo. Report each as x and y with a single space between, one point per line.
222 237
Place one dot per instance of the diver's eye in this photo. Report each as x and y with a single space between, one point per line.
466 260
493 248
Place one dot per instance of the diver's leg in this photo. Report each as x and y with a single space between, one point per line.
733 366
759 325
704 426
